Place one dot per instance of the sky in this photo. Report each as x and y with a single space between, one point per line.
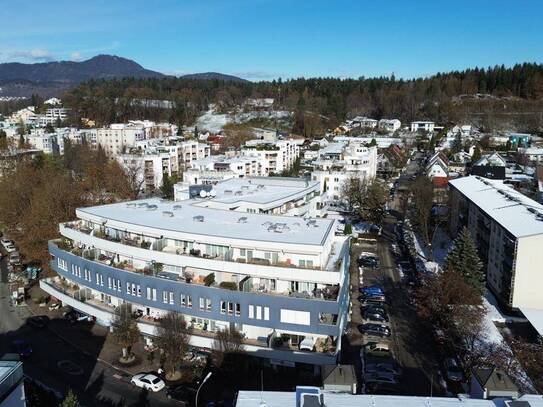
267 39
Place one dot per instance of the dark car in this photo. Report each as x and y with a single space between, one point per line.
38 321
375 317
379 309
365 300
372 296
374 329
183 394
22 348
370 262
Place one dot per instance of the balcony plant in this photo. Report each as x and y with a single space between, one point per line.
145 244
209 280
228 285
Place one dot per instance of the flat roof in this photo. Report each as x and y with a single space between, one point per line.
149 213
288 399
262 190
514 211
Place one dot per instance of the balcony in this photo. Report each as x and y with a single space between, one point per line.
200 335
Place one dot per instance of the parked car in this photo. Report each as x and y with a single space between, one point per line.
375 316
383 367
377 308
374 329
379 377
365 300
22 348
372 289
182 393
6 242
148 381
38 321
453 371
369 262
374 297
379 349
10 248
15 258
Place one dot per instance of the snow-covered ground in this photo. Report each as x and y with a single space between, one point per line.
214 122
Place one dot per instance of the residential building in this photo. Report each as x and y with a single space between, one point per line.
437 167
533 155
52 116
49 143
353 160
306 396
278 279
507 227
216 168
190 151
116 138
390 125
519 139
422 125
364 122
492 166
489 383
382 142
12 391
275 157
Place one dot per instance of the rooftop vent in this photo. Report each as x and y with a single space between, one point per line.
260 186
198 218
167 214
245 187
142 204
278 228
312 222
243 219
131 205
228 192
238 193
177 207
152 207
539 216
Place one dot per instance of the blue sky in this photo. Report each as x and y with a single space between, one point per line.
264 39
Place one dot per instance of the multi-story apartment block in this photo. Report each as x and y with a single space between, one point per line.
421 125
390 125
49 143
118 137
189 151
52 116
508 230
280 280
216 168
275 157
337 165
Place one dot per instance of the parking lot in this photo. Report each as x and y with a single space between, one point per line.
413 360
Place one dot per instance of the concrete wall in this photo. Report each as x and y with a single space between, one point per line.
528 275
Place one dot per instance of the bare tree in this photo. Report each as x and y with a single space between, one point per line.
365 198
227 342
422 192
134 177
173 339
125 329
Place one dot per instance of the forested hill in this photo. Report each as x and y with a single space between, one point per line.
491 95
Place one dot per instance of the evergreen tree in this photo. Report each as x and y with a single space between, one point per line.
457 144
166 188
476 154
70 400
21 141
463 258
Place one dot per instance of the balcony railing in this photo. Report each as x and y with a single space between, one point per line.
141 242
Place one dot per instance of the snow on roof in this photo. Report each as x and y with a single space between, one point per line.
184 217
517 213
288 399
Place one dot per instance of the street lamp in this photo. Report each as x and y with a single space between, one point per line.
199 387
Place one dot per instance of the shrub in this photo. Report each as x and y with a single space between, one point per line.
209 279
348 229
229 285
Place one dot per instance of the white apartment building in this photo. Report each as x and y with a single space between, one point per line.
190 151
282 281
52 116
390 125
116 138
507 227
49 143
422 125
364 122
533 154
216 168
275 157
354 160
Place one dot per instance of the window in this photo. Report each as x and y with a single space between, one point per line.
148 293
267 313
223 307
208 304
128 288
238 310
301 263
101 280
171 298
189 301
267 255
133 289
118 285
258 312
108 281
62 264
114 284
309 263
165 297
138 290
242 252
230 308
251 311
202 303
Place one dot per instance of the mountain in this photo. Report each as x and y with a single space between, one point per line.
52 78
213 76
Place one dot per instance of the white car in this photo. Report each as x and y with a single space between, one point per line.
148 381
10 248
308 344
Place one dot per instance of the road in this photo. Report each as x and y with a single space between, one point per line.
94 382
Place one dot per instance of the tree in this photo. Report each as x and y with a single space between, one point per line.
365 198
348 229
166 189
463 258
173 338
70 400
422 192
49 128
228 343
3 140
209 280
457 143
125 329
476 154
22 142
